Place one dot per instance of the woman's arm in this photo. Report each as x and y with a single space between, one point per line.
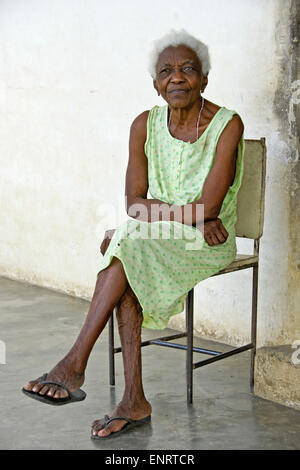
222 174
214 189
136 188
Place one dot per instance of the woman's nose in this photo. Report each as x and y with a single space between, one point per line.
177 76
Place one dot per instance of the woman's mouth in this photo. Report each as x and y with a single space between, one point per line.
177 91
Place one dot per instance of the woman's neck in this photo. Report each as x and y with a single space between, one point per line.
186 117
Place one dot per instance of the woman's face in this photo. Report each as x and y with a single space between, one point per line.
179 78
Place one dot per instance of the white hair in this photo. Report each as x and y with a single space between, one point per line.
176 38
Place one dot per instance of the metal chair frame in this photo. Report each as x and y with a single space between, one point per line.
246 262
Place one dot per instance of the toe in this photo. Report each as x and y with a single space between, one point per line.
112 427
97 426
30 385
63 393
104 432
44 390
98 422
54 392
60 393
37 387
51 391
57 394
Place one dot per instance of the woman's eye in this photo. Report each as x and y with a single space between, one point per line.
188 68
165 71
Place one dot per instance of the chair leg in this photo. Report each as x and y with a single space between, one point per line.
253 324
111 349
189 352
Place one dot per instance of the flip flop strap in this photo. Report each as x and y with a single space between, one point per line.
50 382
109 420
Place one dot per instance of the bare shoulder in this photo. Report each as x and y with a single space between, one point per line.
235 123
231 135
139 125
235 126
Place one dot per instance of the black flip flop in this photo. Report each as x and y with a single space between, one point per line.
129 425
72 397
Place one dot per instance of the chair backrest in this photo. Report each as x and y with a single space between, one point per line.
251 195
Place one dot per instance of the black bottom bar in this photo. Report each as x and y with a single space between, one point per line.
182 346
152 341
223 355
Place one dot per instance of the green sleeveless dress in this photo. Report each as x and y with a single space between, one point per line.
164 260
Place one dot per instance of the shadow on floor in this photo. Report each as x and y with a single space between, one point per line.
39 326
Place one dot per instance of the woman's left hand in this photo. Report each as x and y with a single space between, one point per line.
215 232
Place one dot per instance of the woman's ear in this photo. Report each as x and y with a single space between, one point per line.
156 87
204 83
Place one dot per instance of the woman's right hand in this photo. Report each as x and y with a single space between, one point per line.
215 232
106 240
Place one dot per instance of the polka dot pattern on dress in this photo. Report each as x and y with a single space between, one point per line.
159 267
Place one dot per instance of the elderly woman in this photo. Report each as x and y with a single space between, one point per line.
189 154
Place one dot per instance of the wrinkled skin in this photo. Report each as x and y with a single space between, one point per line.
130 318
70 371
112 288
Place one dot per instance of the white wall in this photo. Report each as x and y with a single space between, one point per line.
73 76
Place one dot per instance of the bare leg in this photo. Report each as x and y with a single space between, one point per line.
133 404
110 286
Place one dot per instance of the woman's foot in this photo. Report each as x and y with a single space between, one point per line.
135 412
65 372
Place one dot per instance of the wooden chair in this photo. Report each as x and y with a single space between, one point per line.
250 217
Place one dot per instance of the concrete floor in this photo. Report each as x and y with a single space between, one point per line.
39 326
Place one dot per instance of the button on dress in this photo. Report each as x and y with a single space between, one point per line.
163 260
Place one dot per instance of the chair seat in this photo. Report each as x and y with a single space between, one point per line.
241 262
